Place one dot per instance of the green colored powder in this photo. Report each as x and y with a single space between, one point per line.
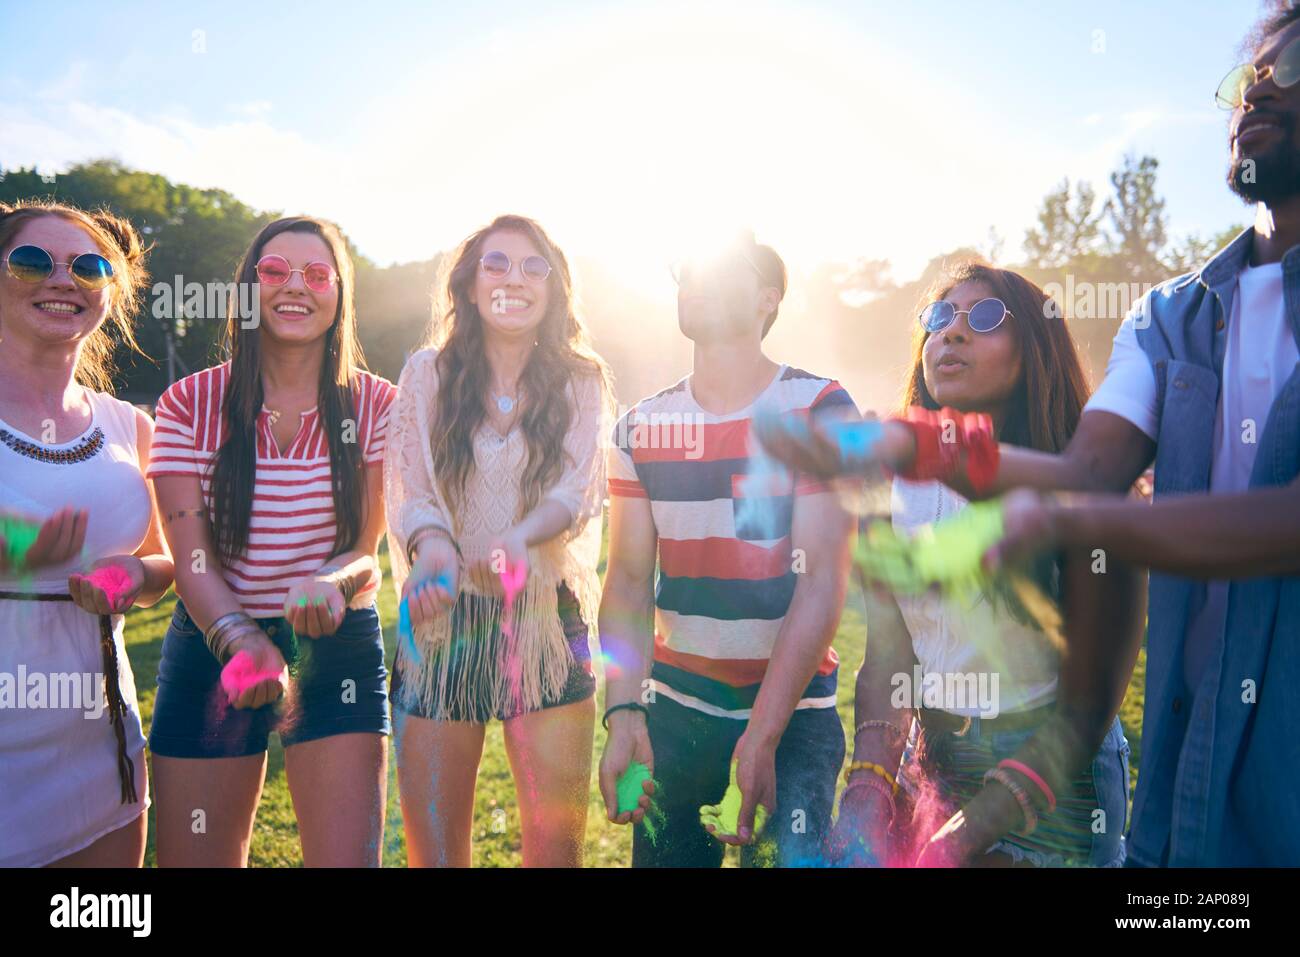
630 791
725 816
629 786
948 554
19 536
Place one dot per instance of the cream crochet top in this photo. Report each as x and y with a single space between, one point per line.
534 660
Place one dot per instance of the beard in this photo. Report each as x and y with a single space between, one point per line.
1270 177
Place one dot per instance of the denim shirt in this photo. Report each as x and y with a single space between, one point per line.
1219 783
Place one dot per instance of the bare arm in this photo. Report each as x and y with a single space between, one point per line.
148 569
880 729
315 605
820 532
627 643
153 552
1244 535
1107 453
199 582
888 653
627 601
1105 615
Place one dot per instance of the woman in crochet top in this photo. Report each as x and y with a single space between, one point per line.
494 483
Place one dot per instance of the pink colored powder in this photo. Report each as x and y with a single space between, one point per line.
930 810
241 673
512 582
113 581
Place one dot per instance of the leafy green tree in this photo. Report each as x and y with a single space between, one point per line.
1137 217
1065 232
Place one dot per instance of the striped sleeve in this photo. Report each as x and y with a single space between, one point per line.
623 478
834 402
381 395
173 438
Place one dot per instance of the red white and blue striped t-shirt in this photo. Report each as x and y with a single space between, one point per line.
726 568
291 533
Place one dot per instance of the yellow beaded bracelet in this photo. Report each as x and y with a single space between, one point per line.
874 768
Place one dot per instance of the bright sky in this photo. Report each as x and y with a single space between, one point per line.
880 129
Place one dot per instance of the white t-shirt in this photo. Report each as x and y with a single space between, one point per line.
1260 356
961 642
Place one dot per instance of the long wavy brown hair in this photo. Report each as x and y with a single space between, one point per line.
563 351
120 244
1045 407
234 470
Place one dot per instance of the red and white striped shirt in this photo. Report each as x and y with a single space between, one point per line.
291 533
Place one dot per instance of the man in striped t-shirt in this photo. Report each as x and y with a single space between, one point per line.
729 657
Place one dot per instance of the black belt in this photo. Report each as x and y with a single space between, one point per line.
112 686
934 719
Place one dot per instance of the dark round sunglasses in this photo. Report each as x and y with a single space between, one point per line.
33 264
985 316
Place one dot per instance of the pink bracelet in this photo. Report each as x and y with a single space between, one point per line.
1017 792
1033 776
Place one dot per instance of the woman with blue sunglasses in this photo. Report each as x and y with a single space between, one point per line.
80 541
1000 766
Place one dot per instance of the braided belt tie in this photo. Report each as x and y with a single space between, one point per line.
112 686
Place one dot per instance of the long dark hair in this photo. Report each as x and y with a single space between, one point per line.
1045 407
234 470
1048 398
563 351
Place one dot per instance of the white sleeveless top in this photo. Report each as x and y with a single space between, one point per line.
58 753
969 636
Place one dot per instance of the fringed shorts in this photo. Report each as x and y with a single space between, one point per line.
476 706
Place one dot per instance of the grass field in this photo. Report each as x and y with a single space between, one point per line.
275 837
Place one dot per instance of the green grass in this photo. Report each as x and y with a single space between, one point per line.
275 835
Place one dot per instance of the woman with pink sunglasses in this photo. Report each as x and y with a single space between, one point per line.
268 474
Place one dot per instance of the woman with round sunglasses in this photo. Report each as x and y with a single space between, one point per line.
985 782
495 485
80 541
268 471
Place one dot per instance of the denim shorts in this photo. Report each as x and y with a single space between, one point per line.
337 685
1087 827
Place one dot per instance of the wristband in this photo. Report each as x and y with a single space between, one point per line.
1034 777
951 445
626 706
875 723
1026 806
413 542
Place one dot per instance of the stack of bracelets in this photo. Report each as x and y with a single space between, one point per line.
881 780
227 629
